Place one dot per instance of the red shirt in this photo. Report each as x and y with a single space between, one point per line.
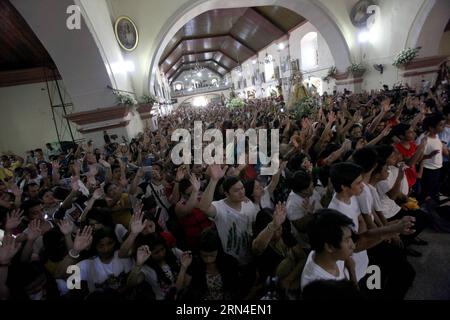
410 173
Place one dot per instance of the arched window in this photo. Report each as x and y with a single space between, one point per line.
310 51
268 68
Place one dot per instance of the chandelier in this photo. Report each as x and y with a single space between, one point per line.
197 69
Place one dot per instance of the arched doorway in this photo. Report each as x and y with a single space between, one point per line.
309 9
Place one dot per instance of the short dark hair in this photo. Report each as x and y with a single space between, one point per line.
432 121
229 182
27 205
366 158
210 241
343 174
43 192
326 227
300 181
384 151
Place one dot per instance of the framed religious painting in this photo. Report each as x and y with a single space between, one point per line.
126 33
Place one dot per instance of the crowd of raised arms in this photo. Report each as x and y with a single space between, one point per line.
360 177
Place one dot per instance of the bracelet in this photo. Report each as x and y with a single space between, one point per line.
72 255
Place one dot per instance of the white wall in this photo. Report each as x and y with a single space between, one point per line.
100 22
26 119
325 60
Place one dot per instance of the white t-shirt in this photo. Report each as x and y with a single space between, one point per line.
160 289
312 271
100 276
388 206
235 228
365 200
432 145
294 205
376 198
353 211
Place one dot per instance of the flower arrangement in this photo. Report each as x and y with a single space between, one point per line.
149 99
331 74
306 107
405 56
356 68
126 99
235 103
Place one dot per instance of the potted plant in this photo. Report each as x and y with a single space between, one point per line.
356 69
405 56
148 99
126 99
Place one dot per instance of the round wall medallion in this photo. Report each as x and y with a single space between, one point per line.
126 33
359 14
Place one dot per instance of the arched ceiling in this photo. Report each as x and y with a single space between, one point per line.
221 39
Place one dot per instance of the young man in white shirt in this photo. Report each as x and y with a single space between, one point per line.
330 236
396 272
393 190
347 181
302 202
434 151
333 241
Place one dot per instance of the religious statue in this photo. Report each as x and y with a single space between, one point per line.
297 91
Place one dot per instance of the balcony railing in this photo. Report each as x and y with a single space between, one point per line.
181 93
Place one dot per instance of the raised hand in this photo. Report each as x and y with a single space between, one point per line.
142 255
8 250
16 190
13 219
83 239
186 259
279 215
137 223
98 193
331 117
77 168
104 163
181 173
405 225
385 104
216 172
34 230
386 131
74 183
66 226
55 165
195 182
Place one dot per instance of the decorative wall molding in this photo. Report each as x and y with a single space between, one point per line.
425 62
106 114
121 124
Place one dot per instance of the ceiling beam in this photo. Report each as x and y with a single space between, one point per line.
234 38
269 20
185 65
204 60
191 38
183 69
243 43
187 53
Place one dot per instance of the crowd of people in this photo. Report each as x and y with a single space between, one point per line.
360 178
